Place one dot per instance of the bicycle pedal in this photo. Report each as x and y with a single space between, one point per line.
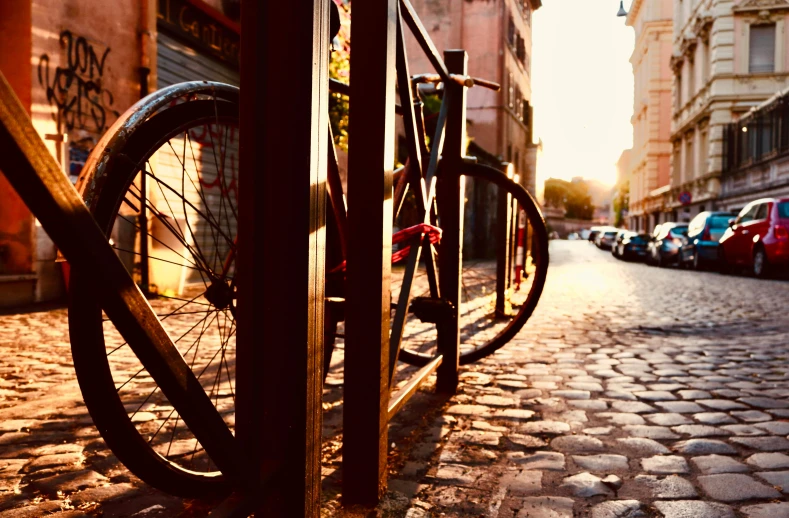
432 310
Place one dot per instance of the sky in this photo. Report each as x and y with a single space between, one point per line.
582 88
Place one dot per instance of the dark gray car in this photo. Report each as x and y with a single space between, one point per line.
664 247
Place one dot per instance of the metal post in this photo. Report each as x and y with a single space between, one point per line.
450 195
284 99
371 159
503 255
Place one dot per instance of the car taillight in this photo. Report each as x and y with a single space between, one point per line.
706 236
780 232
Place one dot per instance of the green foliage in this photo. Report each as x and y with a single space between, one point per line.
621 202
573 197
339 69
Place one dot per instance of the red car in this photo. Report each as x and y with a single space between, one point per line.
758 238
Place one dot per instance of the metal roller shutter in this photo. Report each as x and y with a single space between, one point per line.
177 62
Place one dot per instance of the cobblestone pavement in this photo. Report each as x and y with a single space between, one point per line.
633 391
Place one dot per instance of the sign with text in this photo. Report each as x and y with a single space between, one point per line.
199 28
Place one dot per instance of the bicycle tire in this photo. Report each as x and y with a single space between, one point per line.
506 332
89 346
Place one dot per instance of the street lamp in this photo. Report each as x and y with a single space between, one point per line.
621 11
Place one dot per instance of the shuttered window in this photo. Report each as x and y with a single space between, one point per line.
761 55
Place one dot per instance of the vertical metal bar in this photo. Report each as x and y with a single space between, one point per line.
503 255
281 266
145 276
371 158
513 239
450 195
145 272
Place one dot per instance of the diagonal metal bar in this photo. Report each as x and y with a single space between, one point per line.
398 324
47 192
422 36
414 171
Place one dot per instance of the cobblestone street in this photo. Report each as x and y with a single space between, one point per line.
633 391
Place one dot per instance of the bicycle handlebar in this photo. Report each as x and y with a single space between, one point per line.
459 79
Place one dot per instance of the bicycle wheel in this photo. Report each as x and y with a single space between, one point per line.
505 263
187 154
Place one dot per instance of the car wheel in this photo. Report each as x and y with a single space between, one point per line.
696 260
761 266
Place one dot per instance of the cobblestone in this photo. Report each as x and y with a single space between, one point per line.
733 487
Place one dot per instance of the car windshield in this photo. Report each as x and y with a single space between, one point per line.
610 234
783 210
720 221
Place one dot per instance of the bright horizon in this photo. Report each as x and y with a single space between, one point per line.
582 89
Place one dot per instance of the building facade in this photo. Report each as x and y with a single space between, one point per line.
728 57
649 159
497 36
76 66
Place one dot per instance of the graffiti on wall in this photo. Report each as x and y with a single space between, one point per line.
75 88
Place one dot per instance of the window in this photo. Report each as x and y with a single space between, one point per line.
705 63
747 214
689 158
761 50
511 32
691 79
761 213
697 224
521 51
678 92
783 210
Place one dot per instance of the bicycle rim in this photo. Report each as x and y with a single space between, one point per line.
489 317
188 154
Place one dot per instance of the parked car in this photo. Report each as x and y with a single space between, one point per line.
700 247
617 240
585 233
758 238
605 239
593 232
573 236
633 246
663 248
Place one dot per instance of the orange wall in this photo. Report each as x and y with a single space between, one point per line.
16 222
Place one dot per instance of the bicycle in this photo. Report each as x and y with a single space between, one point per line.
133 174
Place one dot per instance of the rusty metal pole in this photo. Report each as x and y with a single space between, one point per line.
284 116
370 163
450 196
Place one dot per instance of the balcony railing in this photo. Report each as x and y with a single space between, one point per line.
760 135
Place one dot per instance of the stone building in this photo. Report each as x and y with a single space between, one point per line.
650 156
497 36
76 65
729 56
